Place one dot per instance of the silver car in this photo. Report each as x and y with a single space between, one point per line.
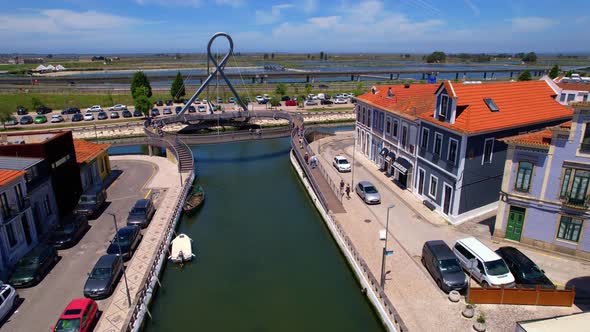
367 192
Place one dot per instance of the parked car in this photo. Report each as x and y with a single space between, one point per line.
127 114
490 269
311 102
341 164
142 213
169 102
231 100
285 98
167 111
57 118
91 201
118 107
88 117
127 240
12 121
326 102
33 266
339 101
197 101
43 110
103 278
77 117
95 108
323 86
137 113
40 118
202 108
69 232
368 193
183 101
21 110
192 109
80 315
102 115
260 100
219 100
70 110
155 112
524 270
114 115
26 119
159 103
8 299
178 109
290 103
443 266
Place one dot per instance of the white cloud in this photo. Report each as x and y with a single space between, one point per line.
231 3
272 16
532 24
473 7
324 22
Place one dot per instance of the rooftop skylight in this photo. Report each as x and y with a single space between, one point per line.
491 105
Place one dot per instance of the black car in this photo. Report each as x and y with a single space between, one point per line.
178 109
70 110
443 265
323 86
142 213
127 114
192 109
155 112
126 240
103 279
32 267
525 271
102 115
12 121
91 202
26 119
21 110
183 101
285 98
43 110
137 113
69 232
169 102
326 102
77 117
159 103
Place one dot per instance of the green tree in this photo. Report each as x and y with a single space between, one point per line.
275 101
554 72
530 57
308 89
281 89
36 103
177 89
140 80
141 101
360 89
569 73
525 76
5 116
436 57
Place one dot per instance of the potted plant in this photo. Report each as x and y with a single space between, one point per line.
468 311
480 324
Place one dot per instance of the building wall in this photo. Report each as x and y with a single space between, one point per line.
570 96
44 208
104 168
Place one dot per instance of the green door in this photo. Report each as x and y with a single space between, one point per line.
515 222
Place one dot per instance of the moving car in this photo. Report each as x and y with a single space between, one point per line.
70 110
91 201
95 108
88 117
167 110
8 298
69 232
57 118
21 110
40 119
192 109
118 107
102 115
339 101
78 117
33 266
80 315
524 270
341 164
26 119
103 278
114 115
178 109
142 213
137 113
155 112
43 110
12 121
127 240
489 270
127 114
290 103
443 266
367 192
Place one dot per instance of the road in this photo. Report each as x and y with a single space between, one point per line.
44 303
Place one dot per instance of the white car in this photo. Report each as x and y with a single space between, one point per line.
57 118
201 108
339 96
88 117
118 107
339 101
341 164
260 99
8 297
95 108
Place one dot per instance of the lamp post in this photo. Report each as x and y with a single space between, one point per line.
353 154
121 255
385 252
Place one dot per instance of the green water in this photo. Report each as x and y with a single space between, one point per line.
265 261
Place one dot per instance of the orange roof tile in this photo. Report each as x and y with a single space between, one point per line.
9 175
519 103
574 86
86 151
539 139
409 101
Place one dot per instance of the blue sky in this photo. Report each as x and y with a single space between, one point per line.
352 26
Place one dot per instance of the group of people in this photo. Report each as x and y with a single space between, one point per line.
345 190
311 161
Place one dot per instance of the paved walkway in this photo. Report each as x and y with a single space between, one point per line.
409 286
167 180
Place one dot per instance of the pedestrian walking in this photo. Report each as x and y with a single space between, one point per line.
306 157
348 190
300 143
341 185
313 161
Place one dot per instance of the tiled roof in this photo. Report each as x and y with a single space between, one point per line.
9 175
86 151
410 101
540 138
574 86
519 103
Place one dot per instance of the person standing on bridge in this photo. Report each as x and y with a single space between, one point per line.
306 157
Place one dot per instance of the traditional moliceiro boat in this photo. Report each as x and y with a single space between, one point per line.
195 198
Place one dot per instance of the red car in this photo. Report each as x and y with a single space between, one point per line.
79 316
290 103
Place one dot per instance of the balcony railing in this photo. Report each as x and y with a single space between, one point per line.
15 209
576 202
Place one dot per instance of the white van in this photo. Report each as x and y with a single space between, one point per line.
321 96
490 269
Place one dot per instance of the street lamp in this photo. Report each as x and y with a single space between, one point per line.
385 252
353 154
121 255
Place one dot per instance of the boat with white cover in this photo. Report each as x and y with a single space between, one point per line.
181 249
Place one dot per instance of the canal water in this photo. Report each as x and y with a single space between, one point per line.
264 259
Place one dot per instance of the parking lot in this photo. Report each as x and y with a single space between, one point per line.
42 304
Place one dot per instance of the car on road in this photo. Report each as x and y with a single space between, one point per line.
127 240
142 212
69 232
43 110
159 103
33 266
341 164
311 102
443 266
167 111
91 202
88 117
115 115
12 121
525 271
80 315
192 109
103 278
202 108
260 100
70 110
127 114
155 112
118 107
95 108
8 300
21 110
137 113
368 193
290 103
169 102
57 118
40 118
78 117
326 102
102 115
339 101
482 263
26 119
178 109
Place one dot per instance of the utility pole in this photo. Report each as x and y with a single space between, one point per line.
121 255
385 252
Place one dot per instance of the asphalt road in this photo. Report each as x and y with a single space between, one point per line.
44 303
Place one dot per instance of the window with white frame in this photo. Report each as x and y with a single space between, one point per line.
523 176
404 136
444 105
432 188
438 137
569 228
424 141
488 151
388 126
395 127
452 155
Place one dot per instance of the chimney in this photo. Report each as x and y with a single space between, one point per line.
373 90
389 93
407 85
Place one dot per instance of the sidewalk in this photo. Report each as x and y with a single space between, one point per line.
411 288
167 180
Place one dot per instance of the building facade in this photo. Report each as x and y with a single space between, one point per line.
93 161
